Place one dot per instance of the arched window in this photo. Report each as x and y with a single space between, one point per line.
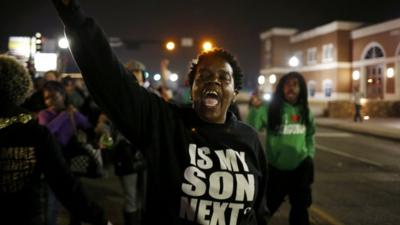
311 85
373 52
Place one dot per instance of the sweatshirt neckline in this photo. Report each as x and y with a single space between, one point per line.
229 122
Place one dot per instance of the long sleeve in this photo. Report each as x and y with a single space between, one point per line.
262 212
257 117
310 133
133 109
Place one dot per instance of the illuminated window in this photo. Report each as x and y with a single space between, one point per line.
328 88
299 56
312 56
311 85
327 52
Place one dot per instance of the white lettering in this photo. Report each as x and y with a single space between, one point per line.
196 186
192 154
235 212
218 216
205 162
244 187
203 211
293 129
228 161
242 158
188 211
221 185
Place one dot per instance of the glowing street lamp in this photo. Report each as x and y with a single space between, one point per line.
207 46
63 43
272 79
261 80
390 72
356 75
157 77
294 61
267 96
174 77
170 46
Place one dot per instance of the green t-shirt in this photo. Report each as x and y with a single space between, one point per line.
294 141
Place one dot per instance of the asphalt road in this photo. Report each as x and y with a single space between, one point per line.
357 178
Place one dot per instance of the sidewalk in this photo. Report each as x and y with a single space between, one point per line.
388 128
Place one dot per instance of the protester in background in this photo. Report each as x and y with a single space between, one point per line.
28 152
203 164
129 162
74 97
35 102
59 114
257 111
357 97
52 75
290 147
62 120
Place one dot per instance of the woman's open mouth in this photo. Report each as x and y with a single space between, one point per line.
210 98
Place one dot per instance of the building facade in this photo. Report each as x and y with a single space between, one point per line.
336 59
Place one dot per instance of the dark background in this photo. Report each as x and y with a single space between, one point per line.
234 25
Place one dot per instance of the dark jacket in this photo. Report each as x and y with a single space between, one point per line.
197 172
127 158
29 156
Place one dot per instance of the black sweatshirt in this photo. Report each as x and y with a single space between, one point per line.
30 156
198 172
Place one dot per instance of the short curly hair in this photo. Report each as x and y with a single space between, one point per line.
15 81
219 52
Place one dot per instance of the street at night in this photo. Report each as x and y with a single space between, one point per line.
357 180
204 112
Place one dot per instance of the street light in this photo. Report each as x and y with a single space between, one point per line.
356 75
63 43
207 46
390 72
261 80
272 79
173 77
170 45
294 61
157 77
267 96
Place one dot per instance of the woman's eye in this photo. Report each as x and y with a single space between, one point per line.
225 77
205 75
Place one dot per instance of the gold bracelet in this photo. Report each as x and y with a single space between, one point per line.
21 118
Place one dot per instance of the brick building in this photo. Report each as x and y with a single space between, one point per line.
335 58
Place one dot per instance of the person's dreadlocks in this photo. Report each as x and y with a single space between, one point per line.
218 52
276 107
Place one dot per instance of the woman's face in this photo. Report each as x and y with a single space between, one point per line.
54 100
291 90
213 89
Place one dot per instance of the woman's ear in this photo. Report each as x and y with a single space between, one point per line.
234 96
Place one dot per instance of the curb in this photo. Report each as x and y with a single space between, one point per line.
375 131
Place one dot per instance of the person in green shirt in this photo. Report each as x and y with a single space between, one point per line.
289 145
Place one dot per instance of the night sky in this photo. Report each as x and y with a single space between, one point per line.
234 25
